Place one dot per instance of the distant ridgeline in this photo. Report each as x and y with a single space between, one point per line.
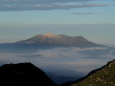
59 40
26 74
104 76
44 41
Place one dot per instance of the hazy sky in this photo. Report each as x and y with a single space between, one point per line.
93 19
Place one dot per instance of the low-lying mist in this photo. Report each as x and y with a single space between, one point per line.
67 62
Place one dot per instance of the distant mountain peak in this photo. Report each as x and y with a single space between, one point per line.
50 39
50 35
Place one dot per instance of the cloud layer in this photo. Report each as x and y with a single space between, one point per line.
83 13
71 59
21 5
60 61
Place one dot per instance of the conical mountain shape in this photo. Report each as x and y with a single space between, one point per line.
59 40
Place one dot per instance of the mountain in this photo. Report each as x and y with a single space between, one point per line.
47 41
23 74
59 40
104 76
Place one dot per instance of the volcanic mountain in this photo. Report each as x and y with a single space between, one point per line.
59 40
47 41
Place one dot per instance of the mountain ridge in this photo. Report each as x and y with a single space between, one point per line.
23 74
104 76
59 40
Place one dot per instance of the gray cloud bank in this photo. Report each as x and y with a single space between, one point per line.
59 62
22 5
83 13
63 61
67 62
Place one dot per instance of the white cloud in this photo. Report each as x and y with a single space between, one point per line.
60 61
61 52
108 56
11 58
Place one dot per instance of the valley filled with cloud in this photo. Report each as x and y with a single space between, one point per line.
63 61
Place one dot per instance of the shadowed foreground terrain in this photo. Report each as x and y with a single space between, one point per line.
26 74
23 74
104 76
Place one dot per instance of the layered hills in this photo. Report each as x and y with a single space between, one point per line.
26 74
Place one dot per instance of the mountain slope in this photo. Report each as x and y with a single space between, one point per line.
26 74
59 40
23 74
104 76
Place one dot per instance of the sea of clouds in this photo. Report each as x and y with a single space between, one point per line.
69 61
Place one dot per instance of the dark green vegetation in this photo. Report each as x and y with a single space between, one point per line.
104 76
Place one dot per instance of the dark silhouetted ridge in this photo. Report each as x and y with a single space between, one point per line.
23 74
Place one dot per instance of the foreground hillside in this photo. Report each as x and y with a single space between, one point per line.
104 76
23 74
26 74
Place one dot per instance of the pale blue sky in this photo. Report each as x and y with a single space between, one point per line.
93 19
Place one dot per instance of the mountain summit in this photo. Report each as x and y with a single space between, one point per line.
50 39
50 35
